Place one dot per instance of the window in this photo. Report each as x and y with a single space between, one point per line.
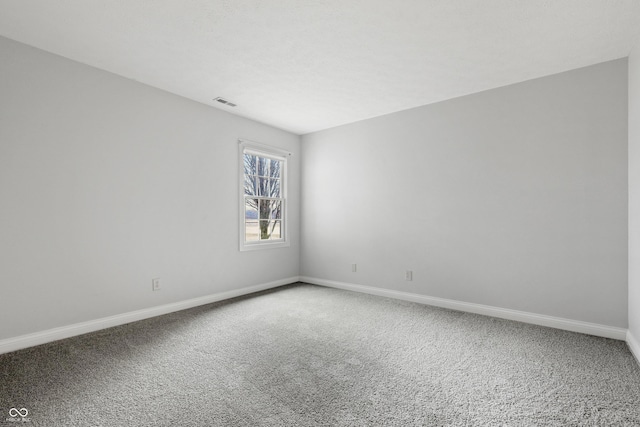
263 191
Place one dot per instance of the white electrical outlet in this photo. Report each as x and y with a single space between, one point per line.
408 275
155 284
354 267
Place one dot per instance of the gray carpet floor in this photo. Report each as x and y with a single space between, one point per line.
304 355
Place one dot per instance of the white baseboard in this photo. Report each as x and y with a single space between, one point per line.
634 346
43 337
503 313
37 338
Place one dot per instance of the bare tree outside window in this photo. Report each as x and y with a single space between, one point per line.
263 198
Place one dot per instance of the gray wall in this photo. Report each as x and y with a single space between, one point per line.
106 183
634 194
514 198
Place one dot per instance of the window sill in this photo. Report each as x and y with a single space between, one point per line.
259 246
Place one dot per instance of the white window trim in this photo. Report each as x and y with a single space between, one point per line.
246 146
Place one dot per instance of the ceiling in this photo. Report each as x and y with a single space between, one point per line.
308 65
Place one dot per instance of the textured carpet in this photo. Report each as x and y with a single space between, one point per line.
304 355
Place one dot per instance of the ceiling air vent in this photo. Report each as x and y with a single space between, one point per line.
225 102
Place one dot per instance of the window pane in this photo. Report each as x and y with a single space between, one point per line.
263 187
267 187
263 166
265 208
251 209
249 164
275 168
270 230
250 185
275 230
276 209
251 231
274 186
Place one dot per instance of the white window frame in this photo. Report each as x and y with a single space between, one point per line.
246 146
